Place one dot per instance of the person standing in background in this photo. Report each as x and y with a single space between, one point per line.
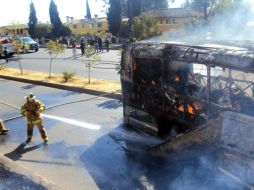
82 46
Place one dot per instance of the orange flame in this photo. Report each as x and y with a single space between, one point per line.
177 79
191 108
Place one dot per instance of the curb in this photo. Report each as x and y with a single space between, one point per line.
112 95
15 168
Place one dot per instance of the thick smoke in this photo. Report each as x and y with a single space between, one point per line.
231 25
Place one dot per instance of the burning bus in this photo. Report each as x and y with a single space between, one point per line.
166 83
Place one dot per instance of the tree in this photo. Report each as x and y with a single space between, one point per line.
32 20
114 16
90 60
88 12
19 48
55 19
42 30
54 48
132 8
143 26
123 32
64 31
212 7
223 6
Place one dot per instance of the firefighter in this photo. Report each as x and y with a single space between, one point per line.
32 109
3 130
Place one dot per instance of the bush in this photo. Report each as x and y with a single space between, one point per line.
67 76
113 40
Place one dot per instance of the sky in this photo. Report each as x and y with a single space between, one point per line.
17 11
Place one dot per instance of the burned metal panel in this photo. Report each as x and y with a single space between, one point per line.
148 49
126 65
239 58
237 133
207 135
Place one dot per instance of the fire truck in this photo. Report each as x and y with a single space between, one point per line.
165 83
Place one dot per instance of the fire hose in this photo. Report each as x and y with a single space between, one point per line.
54 106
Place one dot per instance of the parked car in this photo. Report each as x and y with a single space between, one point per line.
6 42
31 44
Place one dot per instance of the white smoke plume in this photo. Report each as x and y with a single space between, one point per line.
234 25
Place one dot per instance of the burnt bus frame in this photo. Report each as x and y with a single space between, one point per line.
194 59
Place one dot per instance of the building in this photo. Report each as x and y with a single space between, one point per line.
84 26
174 19
168 20
14 29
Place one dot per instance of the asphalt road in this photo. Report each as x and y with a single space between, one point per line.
90 149
86 152
39 61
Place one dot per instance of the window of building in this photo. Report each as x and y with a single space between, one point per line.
161 21
75 26
174 21
168 21
99 24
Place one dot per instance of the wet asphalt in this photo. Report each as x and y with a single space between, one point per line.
93 150
76 157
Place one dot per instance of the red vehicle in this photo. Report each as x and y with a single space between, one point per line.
6 42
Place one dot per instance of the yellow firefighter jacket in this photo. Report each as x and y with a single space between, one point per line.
32 111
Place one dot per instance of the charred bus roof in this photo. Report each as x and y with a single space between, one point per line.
235 55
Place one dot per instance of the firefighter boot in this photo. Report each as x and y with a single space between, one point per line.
3 130
28 140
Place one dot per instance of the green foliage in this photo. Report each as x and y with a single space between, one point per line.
114 16
64 31
58 28
90 60
67 76
155 4
124 30
54 48
223 6
54 15
143 26
88 12
42 30
19 47
210 8
32 20
2 67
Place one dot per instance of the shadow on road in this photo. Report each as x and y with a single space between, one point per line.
110 104
20 150
29 86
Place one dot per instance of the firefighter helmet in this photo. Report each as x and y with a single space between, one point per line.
30 96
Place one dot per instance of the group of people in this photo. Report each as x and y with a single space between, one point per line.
32 111
97 42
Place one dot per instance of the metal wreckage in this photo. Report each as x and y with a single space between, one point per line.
201 95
